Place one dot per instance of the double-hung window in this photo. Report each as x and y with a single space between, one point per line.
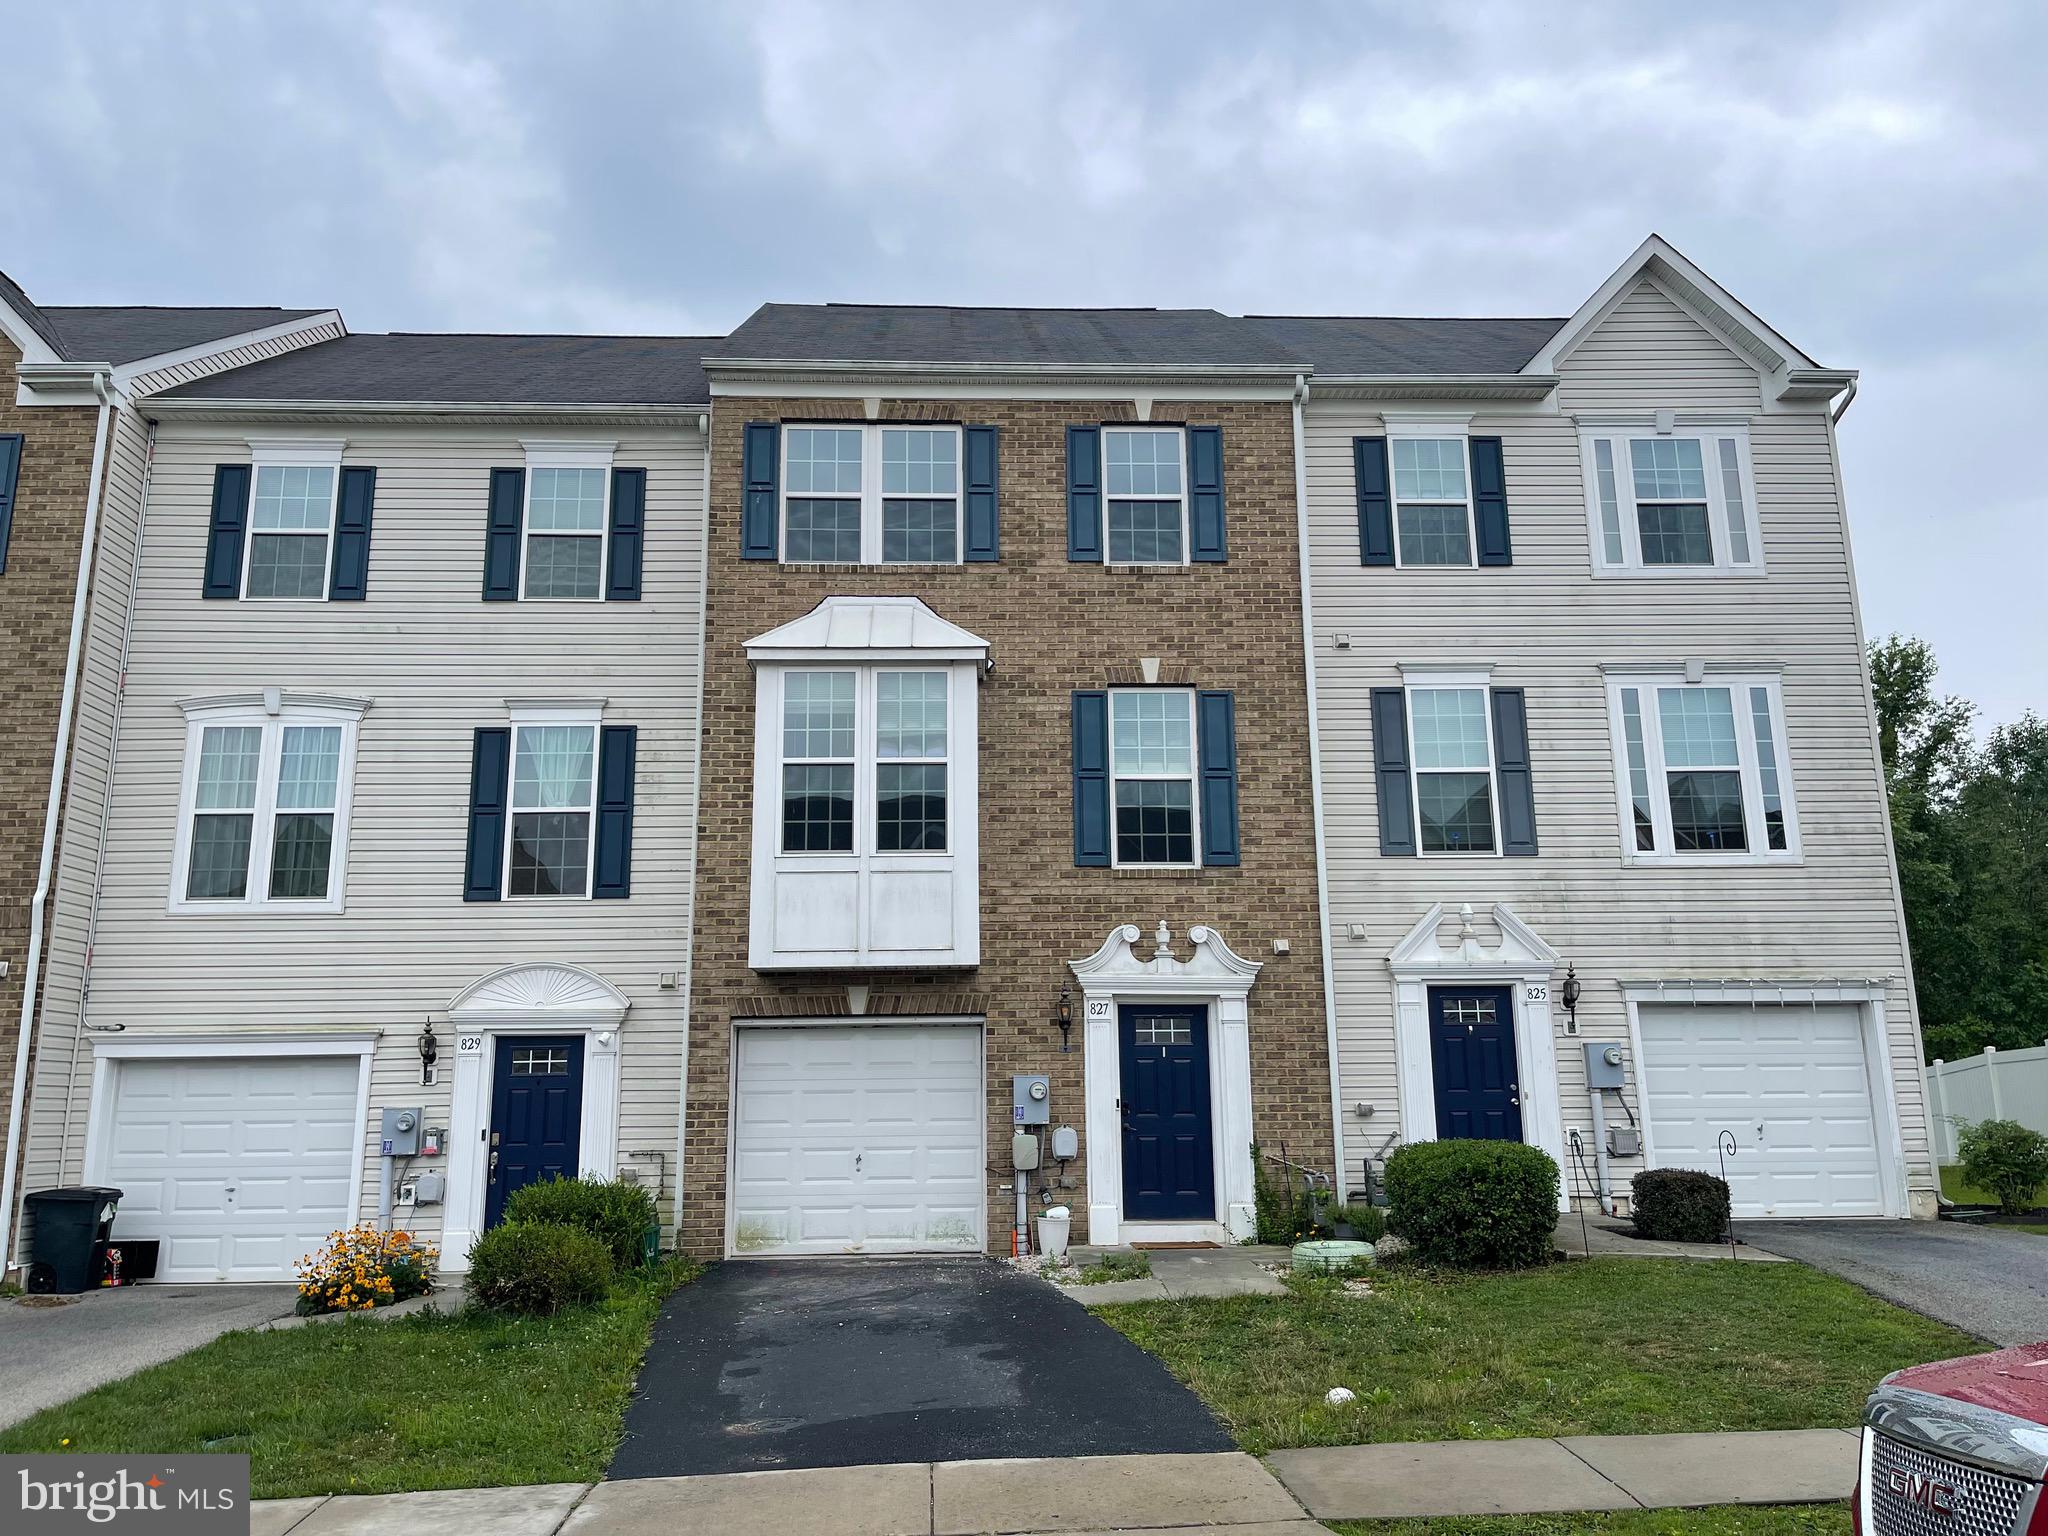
264 806
842 730
1671 502
818 762
1145 500
910 761
291 521
553 806
1451 750
1152 771
871 495
1432 499
1702 768
566 522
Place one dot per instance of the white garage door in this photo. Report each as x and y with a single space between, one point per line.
240 1167
1792 1085
860 1139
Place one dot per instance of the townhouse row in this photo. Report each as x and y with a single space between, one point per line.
878 773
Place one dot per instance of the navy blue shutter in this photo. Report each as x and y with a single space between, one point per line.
982 479
10 476
1091 777
1084 497
757 509
224 537
614 872
1206 544
1390 764
1216 738
1375 505
1511 770
629 521
490 765
1490 502
501 537
349 574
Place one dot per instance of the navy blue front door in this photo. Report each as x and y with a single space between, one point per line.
1169 1149
1472 1050
536 1114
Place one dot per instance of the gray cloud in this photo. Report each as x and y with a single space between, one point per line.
1868 176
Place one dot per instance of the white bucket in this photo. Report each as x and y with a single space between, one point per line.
1053 1226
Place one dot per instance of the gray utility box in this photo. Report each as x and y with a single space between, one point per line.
400 1136
1605 1065
1031 1098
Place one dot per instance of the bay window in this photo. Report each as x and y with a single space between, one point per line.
1700 766
1671 502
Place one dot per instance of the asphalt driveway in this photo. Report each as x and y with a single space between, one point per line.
1983 1280
766 1364
50 1354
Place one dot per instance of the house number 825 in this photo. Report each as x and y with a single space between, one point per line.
1536 993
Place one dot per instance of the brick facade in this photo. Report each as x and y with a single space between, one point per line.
36 594
1052 626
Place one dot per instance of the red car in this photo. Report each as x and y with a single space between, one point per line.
1960 1447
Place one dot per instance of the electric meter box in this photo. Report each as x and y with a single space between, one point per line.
1031 1098
1603 1065
401 1132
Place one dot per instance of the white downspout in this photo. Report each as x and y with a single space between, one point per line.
696 799
1315 780
38 903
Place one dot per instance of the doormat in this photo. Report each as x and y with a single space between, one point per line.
1168 1247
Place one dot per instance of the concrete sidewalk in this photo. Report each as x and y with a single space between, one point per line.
1179 1273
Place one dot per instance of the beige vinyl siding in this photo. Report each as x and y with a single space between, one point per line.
160 379
1547 626
436 662
1648 347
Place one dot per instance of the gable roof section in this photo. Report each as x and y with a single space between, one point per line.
123 333
414 368
1375 345
25 309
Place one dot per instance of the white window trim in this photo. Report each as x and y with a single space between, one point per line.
293 453
1133 429
1193 779
871 494
525 714
1413 678
1707 434
271 711
547 454
944 761
867 761
1439 427
1738 683
863 719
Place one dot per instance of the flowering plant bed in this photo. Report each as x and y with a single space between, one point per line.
362 1268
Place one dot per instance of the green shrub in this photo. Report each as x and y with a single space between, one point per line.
1474 1204
537 1269
613 1211
1368 1223
2006 1158
1680 1205
1282 1207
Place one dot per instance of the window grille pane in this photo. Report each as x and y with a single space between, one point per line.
553 767
920 532
823 461
1675 534
301 851
288 565
1153 732
292 498
1450 728
563 565
919 462
308 768
1610 511
1706 812
1638 771
1668 469
1767 767
540 1061
1456 811
1731 493
1698 726
565 501
228 755
817 714
1142 463
910 714
826 532
220 857
1435 536
910 807
1429 469
1144 532
550 853
1470 1010
1162 1029
1155 821
817 808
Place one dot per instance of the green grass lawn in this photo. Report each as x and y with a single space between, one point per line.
1606 1347
363 1406
1962 1192
1728 1520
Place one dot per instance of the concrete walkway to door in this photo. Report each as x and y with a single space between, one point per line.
767 1364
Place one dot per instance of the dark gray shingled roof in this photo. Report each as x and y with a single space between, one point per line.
12 296
1342 344
917 333
121 334
466 370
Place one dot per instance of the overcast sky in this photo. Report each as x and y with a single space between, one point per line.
1868 177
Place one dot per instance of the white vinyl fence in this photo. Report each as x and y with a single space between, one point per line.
1997 1085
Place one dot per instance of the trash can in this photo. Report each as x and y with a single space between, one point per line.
1053 1225
70 1224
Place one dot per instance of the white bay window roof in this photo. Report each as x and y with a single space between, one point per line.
868 629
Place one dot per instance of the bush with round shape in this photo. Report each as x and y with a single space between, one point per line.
1474 1204
536 1269
2006 1158
1680 1205
613 1211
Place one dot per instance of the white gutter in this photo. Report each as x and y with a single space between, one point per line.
1315 780
696 847
38 903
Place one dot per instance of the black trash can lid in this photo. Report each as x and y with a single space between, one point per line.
77 1193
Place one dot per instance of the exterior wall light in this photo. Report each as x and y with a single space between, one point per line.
1063 1015
1571 995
